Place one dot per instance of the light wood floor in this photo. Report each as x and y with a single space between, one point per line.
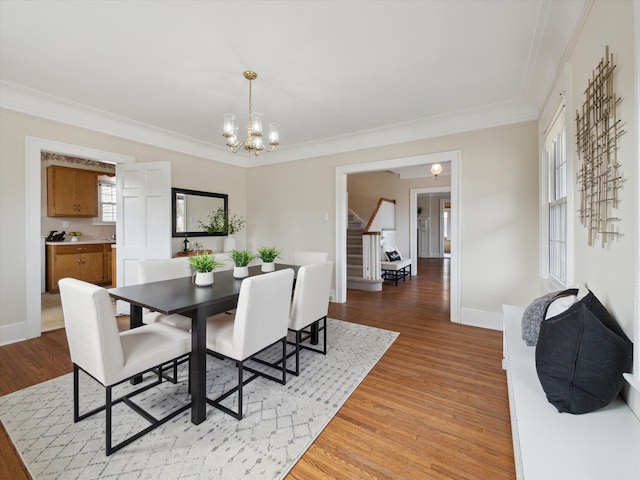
435 406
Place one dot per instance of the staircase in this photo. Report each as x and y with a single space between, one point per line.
354 257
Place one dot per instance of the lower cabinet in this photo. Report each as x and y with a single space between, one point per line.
84 262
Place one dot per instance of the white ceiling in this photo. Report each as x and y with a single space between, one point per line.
336 75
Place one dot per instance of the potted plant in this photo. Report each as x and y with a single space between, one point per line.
241 259
221 221
268 255
204 264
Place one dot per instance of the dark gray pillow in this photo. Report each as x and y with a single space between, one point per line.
535 313
581 356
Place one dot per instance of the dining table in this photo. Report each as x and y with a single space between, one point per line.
183 297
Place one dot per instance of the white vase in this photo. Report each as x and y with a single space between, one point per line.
203 279
228 244
240 272
268 266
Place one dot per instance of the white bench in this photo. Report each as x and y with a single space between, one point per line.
396 270
548 445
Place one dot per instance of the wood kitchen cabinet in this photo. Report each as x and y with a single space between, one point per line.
71 192
84 262
106 255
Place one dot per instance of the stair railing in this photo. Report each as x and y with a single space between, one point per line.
383 217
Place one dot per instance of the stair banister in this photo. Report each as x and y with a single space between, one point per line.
384 207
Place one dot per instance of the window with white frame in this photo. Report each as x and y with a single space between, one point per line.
106 200
555 143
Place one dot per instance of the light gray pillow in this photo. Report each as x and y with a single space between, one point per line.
533 316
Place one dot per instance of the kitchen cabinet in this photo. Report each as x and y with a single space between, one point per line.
71 192
84 262
107 266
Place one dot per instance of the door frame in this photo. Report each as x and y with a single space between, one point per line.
33 201
455 158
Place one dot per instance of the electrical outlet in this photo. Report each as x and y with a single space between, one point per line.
65 224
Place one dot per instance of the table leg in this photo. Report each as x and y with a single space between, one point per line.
135 321
198 367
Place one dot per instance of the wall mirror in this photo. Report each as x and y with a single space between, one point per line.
190 208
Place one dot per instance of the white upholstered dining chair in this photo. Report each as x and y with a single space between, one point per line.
111 357
310 306
157 271
259 321
307 258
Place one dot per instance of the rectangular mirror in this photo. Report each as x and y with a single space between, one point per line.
192 208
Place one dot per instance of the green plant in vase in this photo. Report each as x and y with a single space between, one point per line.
268 255
204 265
241 259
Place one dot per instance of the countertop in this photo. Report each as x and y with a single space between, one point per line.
82 242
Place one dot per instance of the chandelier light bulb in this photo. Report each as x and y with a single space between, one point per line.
436 169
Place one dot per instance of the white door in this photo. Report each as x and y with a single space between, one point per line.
143 229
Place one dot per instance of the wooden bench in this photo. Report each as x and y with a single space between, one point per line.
548 445
396 270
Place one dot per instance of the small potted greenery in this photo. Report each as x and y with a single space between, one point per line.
204 264
241 259
268 255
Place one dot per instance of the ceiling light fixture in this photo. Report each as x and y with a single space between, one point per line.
436 169
253 142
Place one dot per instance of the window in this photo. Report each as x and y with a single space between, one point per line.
557 200
106 200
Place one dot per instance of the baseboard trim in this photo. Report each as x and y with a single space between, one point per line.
12 333
481 318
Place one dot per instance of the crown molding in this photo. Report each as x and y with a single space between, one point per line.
32 102
24 100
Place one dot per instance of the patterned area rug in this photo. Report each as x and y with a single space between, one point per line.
280 423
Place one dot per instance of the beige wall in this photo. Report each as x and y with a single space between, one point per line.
186 172
498 208
608 271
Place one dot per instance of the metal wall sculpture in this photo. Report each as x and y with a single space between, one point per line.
597 133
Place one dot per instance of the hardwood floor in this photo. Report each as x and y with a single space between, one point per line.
435 406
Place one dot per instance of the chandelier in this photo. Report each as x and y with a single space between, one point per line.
436 169
253 142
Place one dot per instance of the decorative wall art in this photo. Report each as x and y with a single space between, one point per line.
597 131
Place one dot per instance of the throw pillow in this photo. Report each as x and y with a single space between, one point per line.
581 356
393 256
535 313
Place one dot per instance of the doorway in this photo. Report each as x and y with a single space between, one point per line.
454 157
34 252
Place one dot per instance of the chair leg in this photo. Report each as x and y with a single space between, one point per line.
109 402
284 360
240 382
109 450
76 395
298 339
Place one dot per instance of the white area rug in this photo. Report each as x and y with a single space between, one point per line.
280 423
